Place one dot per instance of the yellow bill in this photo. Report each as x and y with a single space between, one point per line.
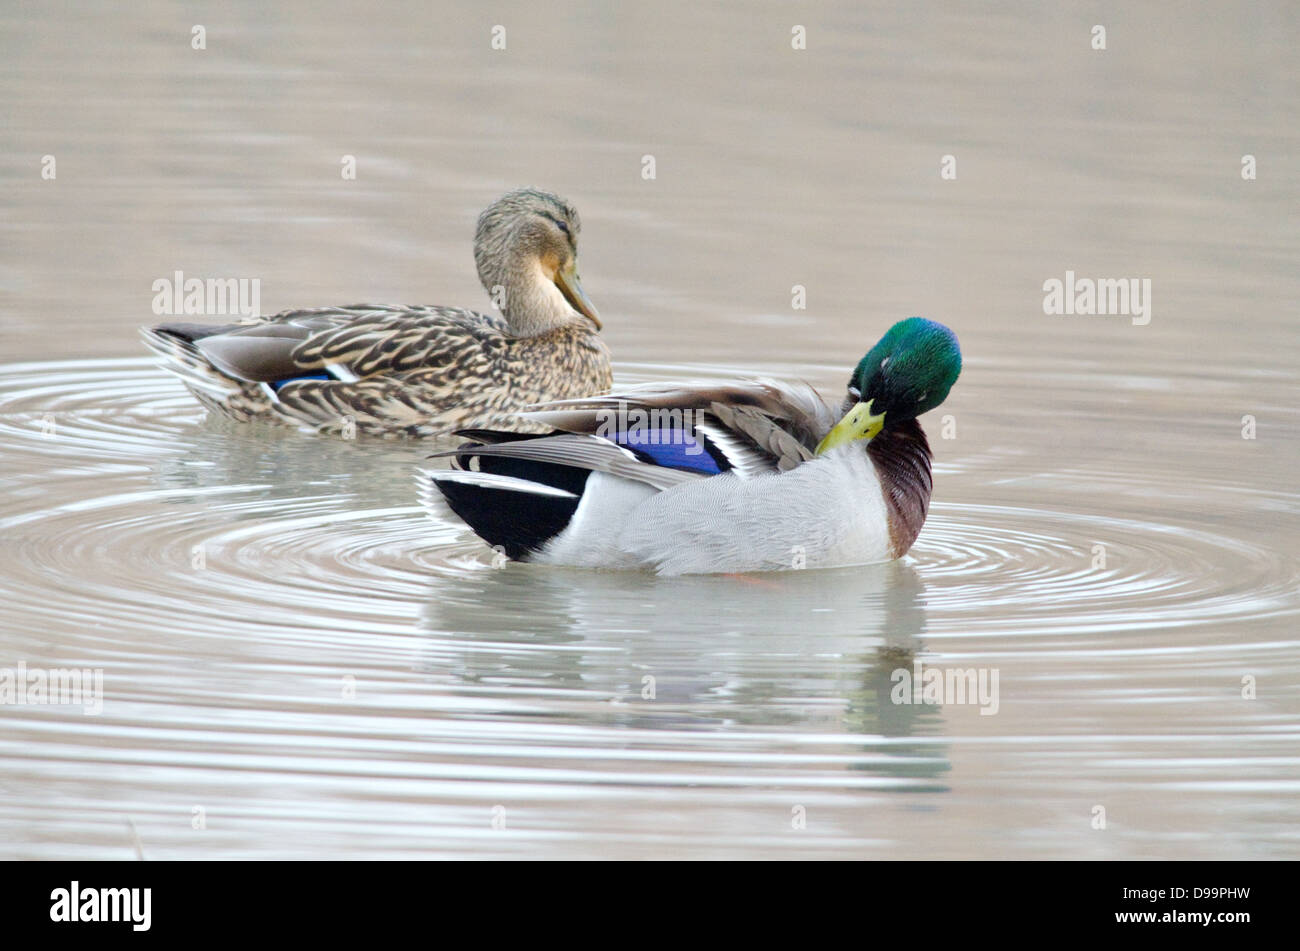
567 281
858 423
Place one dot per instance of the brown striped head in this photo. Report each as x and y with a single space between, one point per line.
526 250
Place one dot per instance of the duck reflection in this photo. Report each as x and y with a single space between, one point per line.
803 653
275 462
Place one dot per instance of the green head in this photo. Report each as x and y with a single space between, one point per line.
909 372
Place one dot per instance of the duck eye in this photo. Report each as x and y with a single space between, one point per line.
855 393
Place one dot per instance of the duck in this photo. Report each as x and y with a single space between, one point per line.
418 371
713 476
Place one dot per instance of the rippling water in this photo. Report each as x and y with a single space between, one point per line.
292 646
298 661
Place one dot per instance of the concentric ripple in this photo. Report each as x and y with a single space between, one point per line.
235 583
1026 566
311 538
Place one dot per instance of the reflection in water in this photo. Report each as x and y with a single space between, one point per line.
289 642
287 464
699 653
317 566
231 582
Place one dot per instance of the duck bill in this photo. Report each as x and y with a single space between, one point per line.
567 281
858 423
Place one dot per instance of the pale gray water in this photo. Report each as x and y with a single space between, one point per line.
469 688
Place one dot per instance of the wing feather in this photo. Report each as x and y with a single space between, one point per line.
758 426
580 452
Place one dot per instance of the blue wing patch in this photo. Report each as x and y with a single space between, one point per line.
295 379
670 448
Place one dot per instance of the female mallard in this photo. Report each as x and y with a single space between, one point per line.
419 371
715 477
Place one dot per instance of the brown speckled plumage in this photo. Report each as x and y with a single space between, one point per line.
415 371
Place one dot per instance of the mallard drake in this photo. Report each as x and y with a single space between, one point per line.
418 371
714 477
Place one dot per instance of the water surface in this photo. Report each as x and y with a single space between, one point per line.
300 661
